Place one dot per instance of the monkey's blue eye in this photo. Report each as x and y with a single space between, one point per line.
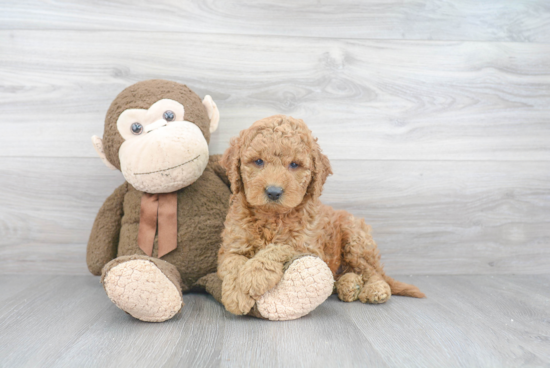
137 128
259 162
169 115
294 165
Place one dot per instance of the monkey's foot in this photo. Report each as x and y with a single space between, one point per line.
141 288
306 283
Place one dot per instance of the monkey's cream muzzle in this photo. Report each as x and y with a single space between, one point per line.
161 152
166 157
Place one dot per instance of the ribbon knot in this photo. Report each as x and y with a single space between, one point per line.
164 207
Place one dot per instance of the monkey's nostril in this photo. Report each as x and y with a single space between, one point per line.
273 193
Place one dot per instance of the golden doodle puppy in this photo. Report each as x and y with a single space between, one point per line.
277 172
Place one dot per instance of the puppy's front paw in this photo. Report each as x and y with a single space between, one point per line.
377 292
233 298
258 276
349 286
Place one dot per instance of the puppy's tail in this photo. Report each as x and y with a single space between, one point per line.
400 288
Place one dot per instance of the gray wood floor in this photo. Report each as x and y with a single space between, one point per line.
466 321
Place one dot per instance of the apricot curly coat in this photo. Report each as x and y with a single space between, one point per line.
262 234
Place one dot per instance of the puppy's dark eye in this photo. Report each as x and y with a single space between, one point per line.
259 162
136 128
294 165
169 115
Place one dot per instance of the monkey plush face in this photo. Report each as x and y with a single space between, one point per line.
161 152
156 133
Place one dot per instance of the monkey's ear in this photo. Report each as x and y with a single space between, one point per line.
213 112
98 145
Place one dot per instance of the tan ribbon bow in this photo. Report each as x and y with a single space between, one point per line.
163 206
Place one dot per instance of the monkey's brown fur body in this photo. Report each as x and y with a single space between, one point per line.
129 276
202 208
261 235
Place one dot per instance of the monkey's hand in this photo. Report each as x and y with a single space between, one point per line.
259 275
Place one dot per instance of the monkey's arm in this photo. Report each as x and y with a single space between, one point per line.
103 243
214 163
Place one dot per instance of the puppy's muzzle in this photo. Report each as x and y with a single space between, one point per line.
274 193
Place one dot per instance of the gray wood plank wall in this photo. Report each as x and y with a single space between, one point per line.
435 115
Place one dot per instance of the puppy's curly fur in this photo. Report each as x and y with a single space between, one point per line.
261 234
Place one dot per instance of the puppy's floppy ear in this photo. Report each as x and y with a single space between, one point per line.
231 161
321 170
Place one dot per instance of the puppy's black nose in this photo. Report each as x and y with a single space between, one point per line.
274 193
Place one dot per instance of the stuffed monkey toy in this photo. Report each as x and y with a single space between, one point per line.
158 235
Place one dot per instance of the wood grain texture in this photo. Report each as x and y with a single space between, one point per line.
336 341
377 100
191 339
46 218
466 321
427 217
495 312
519 21
437 124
